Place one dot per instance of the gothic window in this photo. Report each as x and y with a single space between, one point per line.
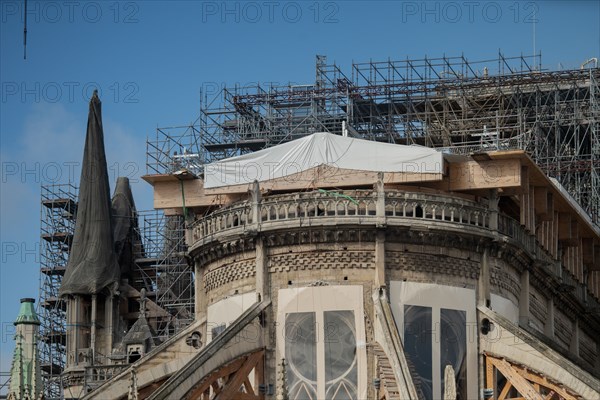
321 336
340 355
436 323
301 354
418 345
422 334
337 354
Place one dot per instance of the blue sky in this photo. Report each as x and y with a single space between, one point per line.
150 59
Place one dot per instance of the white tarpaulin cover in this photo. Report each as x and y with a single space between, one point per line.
321 149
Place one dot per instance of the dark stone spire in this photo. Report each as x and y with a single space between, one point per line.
93 262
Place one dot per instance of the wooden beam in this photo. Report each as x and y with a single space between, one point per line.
489 375
505 390
259 377
168 194
575 230
544 204
564 226
541 200
472 175
539 380
591 254
231 390
248 386
525 388
213 379
326 176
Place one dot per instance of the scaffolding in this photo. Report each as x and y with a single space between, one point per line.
168 278
449 103
160 267
4 384
58 211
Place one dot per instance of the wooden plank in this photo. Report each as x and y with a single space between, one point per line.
591 254
213 379
505 390
215 387
555 234
489 375
471 175
564 226
231 390
532 216
549 205
539 380
259 377
540 194
523 200
326 176
248 386
168 194
587 245
525 388
575 230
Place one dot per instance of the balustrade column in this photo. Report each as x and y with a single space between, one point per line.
380 200
255 199
261 265
380 238
493 207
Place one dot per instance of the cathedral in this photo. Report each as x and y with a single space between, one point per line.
332 267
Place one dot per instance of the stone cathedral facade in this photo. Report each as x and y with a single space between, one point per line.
352 278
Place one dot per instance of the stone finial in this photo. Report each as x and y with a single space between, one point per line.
449 383
283 392
133 388
142 301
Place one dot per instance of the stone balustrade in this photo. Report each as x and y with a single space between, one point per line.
343 207
364 207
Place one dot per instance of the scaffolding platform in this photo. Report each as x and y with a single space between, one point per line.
68 205
252 145
449 103
54 302
61 237
58 270
55 337
50 369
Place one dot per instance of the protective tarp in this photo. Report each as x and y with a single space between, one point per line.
93 261
322 149
125 233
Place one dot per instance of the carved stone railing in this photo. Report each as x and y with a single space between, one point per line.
373 207
219 221
350 206
98 374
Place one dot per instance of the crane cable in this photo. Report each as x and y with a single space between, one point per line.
25 30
